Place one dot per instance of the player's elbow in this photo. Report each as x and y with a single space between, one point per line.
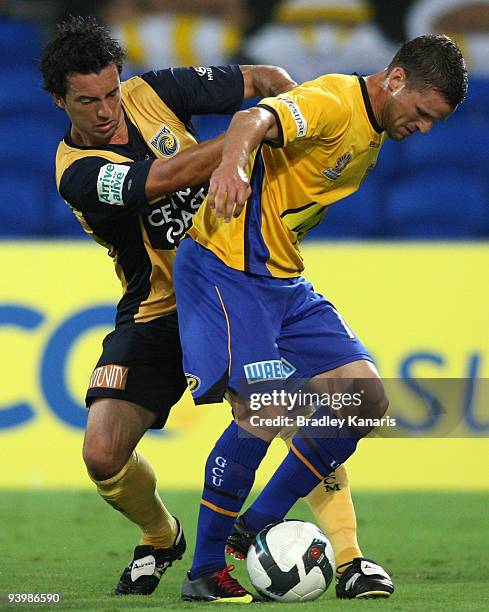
256 124
257 115
265 81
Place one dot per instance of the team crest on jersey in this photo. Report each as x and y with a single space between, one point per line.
165 142
193 382
341 163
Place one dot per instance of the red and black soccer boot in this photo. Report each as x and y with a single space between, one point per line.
219 586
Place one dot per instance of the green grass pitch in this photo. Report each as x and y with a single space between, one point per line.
434 544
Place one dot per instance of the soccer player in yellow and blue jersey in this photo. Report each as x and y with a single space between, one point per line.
246 314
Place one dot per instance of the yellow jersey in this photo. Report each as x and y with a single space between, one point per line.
329 142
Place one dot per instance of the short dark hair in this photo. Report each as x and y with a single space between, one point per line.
433 62
82 45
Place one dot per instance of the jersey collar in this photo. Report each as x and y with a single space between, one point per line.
368 104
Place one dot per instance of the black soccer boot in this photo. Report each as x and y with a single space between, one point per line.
363 579
239 540
142 575
219 586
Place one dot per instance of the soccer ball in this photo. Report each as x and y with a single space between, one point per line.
291 561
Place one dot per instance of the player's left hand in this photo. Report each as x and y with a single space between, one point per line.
229 189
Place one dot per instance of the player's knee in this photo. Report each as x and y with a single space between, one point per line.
380 406
375 402
102 463
372 407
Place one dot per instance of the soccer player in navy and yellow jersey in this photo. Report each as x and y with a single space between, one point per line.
131 170
258 321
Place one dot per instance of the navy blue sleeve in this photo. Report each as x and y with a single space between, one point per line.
96 185
198 91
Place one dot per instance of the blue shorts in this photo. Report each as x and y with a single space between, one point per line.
239 329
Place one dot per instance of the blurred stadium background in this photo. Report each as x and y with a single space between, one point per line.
406 260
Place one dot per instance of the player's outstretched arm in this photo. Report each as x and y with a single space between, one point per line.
187 169
265 81
195 165
229 186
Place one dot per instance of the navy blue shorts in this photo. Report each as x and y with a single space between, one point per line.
141 363
239 329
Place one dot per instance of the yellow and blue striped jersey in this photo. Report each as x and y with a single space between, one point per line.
329 142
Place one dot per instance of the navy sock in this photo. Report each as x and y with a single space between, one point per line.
229 476
315 452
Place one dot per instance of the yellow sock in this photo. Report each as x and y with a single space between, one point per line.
332 506
133 492
333 509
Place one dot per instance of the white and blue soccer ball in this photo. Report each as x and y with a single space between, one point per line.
291 561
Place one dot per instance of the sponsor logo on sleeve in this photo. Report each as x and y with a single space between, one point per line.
204 71
110 183
165 141
297 116
109 377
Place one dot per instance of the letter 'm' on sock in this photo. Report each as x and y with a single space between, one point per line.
314 453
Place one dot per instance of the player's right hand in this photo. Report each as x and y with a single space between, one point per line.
229 189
